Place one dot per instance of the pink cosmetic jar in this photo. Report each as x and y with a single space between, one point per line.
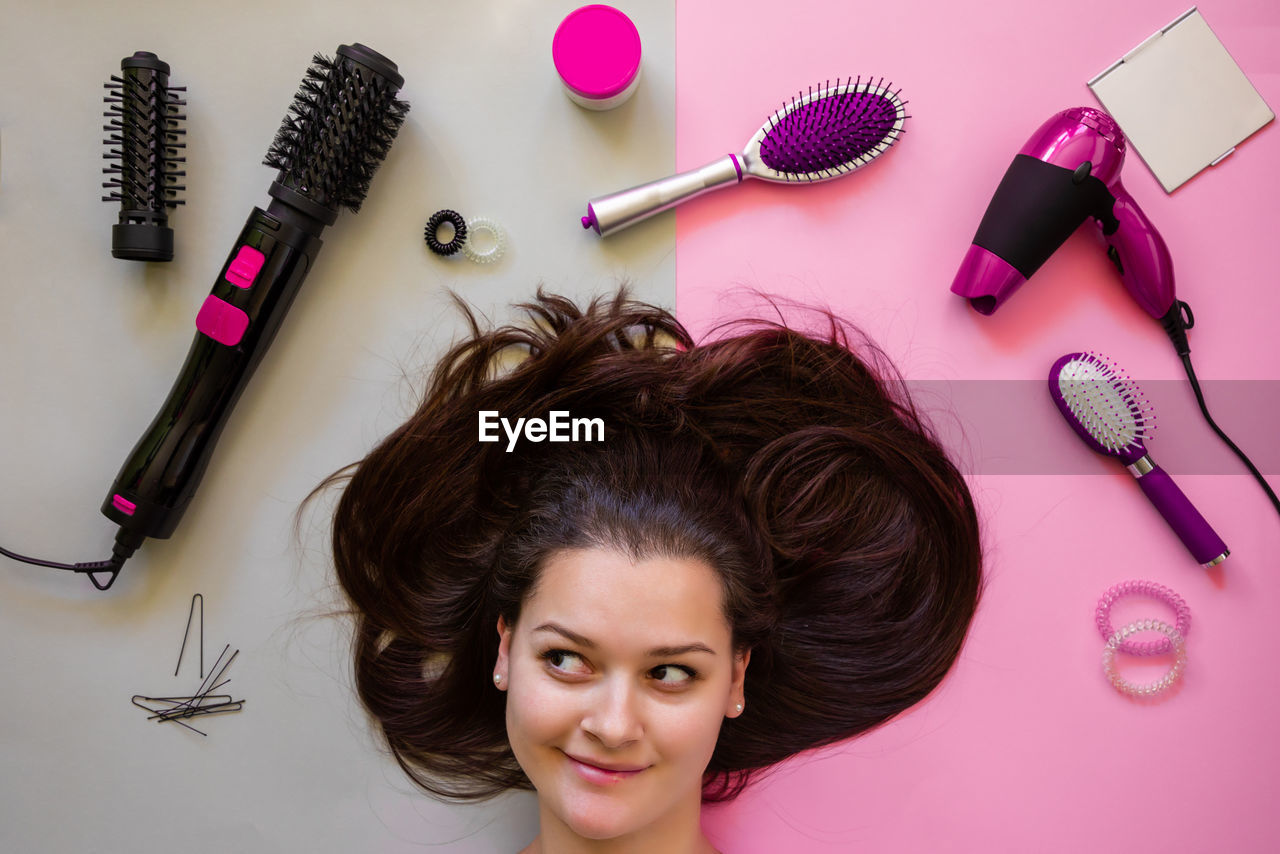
596 50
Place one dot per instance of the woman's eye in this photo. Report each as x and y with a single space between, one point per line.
565 661
672 675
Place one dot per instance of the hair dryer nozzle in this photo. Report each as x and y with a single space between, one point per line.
985 279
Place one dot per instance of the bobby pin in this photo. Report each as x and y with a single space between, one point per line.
213 676
180 723
176 700
217 702
187 632
203 701
182 710
196 711
196 701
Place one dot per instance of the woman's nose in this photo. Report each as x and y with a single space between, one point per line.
612 717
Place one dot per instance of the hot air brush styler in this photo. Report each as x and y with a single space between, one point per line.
343 120
818 136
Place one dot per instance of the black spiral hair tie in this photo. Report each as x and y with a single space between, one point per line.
459 232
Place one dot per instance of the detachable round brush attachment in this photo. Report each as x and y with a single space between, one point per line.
144 134
344 118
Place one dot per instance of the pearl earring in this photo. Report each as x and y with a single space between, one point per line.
497 679
739 708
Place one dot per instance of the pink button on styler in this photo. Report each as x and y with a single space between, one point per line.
123 504
596 50
244 269
222 321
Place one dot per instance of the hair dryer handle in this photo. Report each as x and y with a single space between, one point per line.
1196 534
1140 255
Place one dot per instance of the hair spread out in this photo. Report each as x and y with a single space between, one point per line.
846 540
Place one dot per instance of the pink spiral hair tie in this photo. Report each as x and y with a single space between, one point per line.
1153 591
1164 683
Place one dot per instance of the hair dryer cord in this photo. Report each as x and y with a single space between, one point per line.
1176 324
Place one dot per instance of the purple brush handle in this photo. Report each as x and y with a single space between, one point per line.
1196 534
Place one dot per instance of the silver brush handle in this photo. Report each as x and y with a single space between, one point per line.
607 214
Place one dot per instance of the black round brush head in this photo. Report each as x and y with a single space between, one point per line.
144 134
341 125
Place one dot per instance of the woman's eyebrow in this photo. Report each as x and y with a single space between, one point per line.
562 631
672 651
656 652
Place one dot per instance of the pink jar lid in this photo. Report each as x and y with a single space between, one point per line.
596 50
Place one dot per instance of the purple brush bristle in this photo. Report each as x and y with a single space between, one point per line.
832 131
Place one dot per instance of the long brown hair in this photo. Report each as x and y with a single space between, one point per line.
845 539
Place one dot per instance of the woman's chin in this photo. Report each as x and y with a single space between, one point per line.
599 818
599 823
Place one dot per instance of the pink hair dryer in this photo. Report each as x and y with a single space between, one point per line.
1067 171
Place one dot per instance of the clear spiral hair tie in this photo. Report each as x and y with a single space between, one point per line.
1174 640
1165 682
485 241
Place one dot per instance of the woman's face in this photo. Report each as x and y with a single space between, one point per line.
619 675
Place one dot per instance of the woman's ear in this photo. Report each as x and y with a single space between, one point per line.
737 689
501 669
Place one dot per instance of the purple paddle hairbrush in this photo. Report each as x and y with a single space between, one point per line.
1108 411
817 136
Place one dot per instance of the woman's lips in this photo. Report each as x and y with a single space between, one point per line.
601 775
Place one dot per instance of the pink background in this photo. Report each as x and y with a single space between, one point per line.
1025 746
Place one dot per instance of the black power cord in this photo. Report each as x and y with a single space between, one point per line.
126 544
1176 322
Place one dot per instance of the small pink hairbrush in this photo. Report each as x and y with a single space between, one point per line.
818 136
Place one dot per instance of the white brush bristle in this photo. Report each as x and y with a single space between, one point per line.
1106 401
